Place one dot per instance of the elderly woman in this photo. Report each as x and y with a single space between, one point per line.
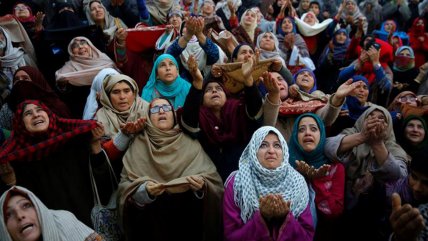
268 45
247 31
167 177
258 196
165 81
20 205
175 19
50 156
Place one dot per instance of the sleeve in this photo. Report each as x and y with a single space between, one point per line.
211 50
253 102
392 169
301 229
383 80
346 73
286 74
329 112
190 115
141 196
270 112
331 147
175 50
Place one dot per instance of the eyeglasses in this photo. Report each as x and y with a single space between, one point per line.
407 98
156 109
17 8
79 43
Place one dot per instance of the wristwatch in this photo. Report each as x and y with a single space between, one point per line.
377 66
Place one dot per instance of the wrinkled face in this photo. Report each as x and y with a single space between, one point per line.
287 26
308 134
167 71
214 96
267 42
404 52
341 38
21 11
80 47
122 96
305 81
35 119
21 219
175 21
97 12
249 18
350 6
419 185
283 86
310 19
207 9
245 52
408 100
361 93
270 154
389 26
161 114
414 131
305 4
21 76
377 114
315 8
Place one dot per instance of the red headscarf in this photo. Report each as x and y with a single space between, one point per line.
417 31
23 145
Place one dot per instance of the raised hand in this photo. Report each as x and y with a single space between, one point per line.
97 134
133 127
271 86
195 72
406 221
248 67
196 182
120 36
216 71
38 24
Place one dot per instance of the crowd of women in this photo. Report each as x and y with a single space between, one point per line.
242 120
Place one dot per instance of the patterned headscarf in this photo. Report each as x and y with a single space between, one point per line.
253 180
175 92
314 158
404 63
23 145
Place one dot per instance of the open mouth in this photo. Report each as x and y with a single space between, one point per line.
27 228
162 118
38 122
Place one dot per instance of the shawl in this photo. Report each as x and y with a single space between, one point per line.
363 153
417 31
311 30
59 225
13 57
339 50
252 180
265 54
175 92
409 147
168 157
356 14
30 18
91 106
250 30
223 6
111 24
108 115
159 12
314 88
315 158
404 63
81 70
25 146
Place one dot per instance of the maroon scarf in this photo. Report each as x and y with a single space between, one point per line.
30 18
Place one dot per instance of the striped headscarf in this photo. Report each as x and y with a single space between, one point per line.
253 180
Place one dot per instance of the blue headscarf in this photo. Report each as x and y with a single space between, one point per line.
339 50
314 158
353 104
312 74
175 92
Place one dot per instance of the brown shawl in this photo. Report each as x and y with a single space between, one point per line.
242 36
169 157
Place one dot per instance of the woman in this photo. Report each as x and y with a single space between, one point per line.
165 81
247 31
351 15
414 136
154 12
49 155
175 19
403 98
167 177
371 9
303 7
268 45
257 197
20 205
417 36
32 23
404 72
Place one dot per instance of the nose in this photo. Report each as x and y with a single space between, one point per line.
20 214
271 149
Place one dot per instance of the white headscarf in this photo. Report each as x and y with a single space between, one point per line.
91 106
13 57
253 180
311 30
223 5
265 54
58 225
252 28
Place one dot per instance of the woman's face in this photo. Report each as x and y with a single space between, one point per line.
305 81
207 9
176 21
420 22
310 19
315 8
308 134
409 100
161 114
305 4
80 47
122 96
414 131
350 6
21 219
21 11
167 71
341 37
418 183
35 119
389 26
249 18
377 114
21 75
404 52
267 42
282 84
244 53
97 12
361 93
214 96
270 154
287 25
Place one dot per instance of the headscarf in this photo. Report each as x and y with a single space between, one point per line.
355 108
396 105
59 225
404 63
193 48
314 158
224 7
80 70
175 92
252 180
23 145
159 12
314 88
411 148
91 106
111 24
30 18
13 57
363 153
279 27
265 54
417 31
249 29
311 30
356 14
339 50
108 115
